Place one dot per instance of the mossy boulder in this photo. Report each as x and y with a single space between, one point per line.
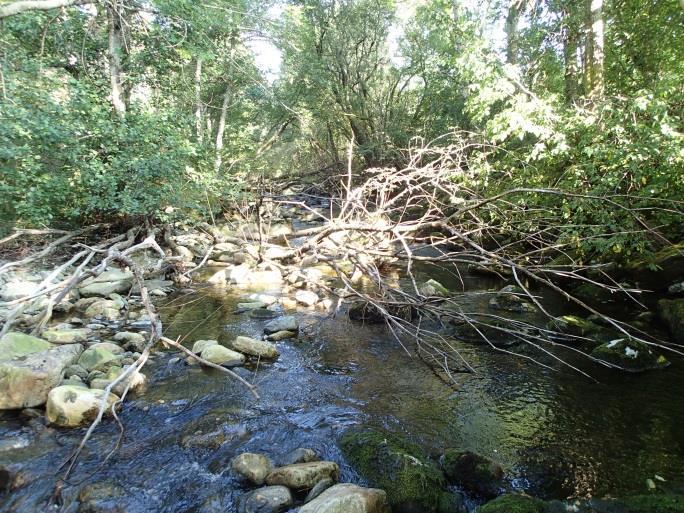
512 299
671 311
513 503
475 473
432 288
630 355
658 271
17 345
592 294
413 483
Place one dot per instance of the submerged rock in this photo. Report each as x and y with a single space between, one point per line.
71 406
303 476
475 473
101 497
269 499
26 383
252 467
255 347
246 307
413 483
630 355
285 323
262 314
299 455
348 498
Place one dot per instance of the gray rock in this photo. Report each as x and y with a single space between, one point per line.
222 356
255 347
130 340
269 499
98 358
112 281
512 299
66 336
263 314
252 467
105 308
286 323
306 297
17 345
17 289
71 406
281 335
348 498
201 345
303 476
299 455
320 487
26 382
76 370
246 307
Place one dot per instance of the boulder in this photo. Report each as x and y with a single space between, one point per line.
66 336
97 358
266 299
15 345
108 282
285 323
76 370
133 381
412 482
243 275
671 311
511 299
253 347
432 288
475 473
252 467
105 308
201 345
71 406
262 314
17 289
269 499
348 498
26 382
630 355
306 297
222 356
303 476
131 340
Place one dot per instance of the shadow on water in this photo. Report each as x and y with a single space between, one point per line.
557 433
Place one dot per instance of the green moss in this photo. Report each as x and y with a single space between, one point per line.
574 325
475 473
513 504
16 345
672 312
657 503
630 355
412 482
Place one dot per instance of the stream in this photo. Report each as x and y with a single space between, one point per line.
557 433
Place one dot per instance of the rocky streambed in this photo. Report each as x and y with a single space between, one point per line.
347 421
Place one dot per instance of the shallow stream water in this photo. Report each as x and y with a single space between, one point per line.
558 434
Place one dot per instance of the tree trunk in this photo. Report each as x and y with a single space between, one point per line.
114 54
593 68
221 128
570 55
198 99
511 28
